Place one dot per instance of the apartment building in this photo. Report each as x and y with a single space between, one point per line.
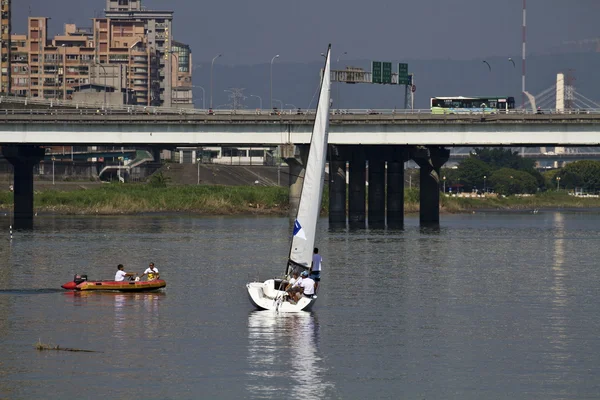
5 46
129 53
158 29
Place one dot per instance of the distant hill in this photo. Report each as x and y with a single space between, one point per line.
296 83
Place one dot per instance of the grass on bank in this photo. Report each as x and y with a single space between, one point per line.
227 200
137 198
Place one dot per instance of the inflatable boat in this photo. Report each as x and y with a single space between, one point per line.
81 282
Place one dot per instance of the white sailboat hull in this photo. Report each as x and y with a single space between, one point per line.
264 297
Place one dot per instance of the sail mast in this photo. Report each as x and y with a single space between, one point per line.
305 225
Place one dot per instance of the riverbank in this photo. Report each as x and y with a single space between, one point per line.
115 199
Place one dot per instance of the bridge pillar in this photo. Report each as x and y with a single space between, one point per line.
430 159
297 167
395 185
337 186
376 189
23 158
395 193
356 190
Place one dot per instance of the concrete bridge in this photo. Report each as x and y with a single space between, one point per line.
383 140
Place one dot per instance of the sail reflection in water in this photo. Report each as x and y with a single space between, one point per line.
283 347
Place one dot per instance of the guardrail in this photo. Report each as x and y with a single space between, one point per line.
346 114
54 107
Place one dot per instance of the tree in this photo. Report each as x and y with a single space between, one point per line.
471 172
498 157
509 181
584 174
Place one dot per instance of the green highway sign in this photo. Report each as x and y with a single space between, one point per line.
403 78
386 72
376 72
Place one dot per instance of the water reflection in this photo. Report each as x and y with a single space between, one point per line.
558 321
284 348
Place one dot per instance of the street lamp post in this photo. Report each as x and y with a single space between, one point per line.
293 106
198 162
271 85
338 84
444 178
280 104
484 184
64 71
53 159
557 183
211 77
173 53
28 80
259 99
203 95
105 88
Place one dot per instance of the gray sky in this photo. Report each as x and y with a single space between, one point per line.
253 31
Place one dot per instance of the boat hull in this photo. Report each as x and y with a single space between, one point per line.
121 286
263 297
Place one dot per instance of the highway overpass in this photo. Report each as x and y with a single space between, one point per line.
384 139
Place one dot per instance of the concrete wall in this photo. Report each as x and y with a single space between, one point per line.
112 98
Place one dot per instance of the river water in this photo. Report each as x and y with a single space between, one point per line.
490 306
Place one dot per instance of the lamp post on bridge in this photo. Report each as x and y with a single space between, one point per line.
211 77
271 84
259 99
339 83
203 95
280 104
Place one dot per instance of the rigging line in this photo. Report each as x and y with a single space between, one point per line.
546 92
544 101
545 95
313 98
587 105
542 93
582 96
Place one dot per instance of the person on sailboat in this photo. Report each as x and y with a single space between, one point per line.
315 268
292 281
293 289
307 285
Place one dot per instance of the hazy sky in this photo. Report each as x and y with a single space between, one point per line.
253 31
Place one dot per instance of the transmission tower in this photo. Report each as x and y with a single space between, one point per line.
236 98
570 90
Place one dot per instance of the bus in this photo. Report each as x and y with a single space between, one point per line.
471 105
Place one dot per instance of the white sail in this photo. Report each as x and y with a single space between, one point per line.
305 226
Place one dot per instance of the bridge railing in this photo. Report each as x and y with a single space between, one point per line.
70 107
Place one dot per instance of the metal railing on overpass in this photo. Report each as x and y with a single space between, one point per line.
71 107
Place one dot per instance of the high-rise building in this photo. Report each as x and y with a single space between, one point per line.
130 53
182 77
5 46
158 28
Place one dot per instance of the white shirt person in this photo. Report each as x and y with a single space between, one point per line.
152 272
120 275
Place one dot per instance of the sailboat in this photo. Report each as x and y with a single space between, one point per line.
269 295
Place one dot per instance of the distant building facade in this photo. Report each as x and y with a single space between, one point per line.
5 46
129 51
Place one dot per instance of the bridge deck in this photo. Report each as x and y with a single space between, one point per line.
89 117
